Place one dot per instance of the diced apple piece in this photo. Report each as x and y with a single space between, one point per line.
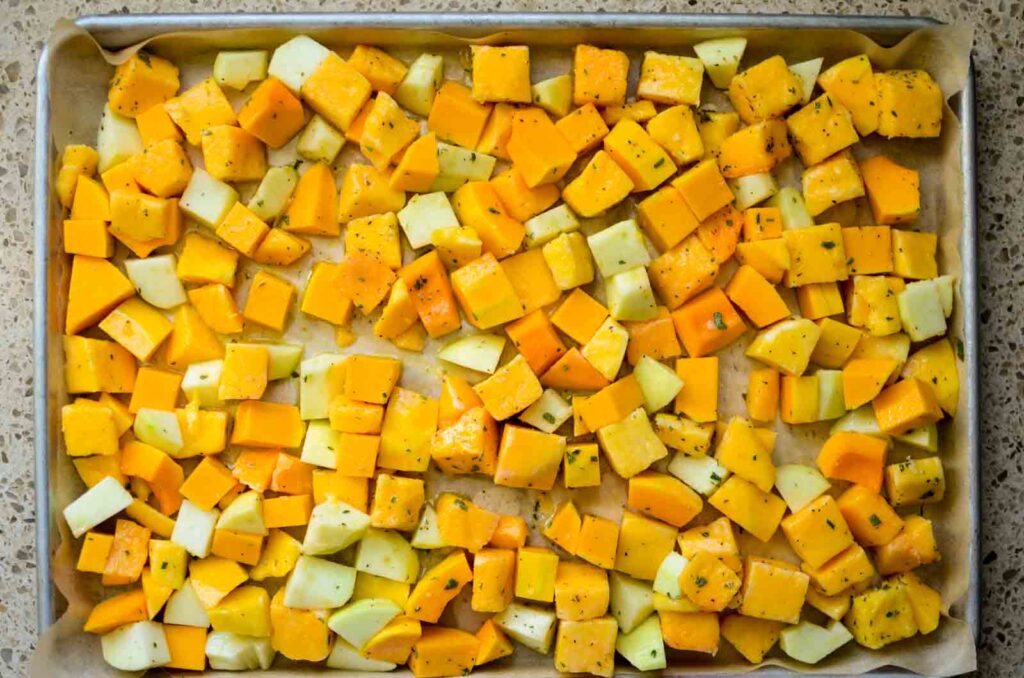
333 525
417 90
320 448
753 189
207 200
387 554
244 514
232 652
201 382
294 61
606 349
282 359
532 626
319 142
630 296
548 225
318 584
480 352
428 532
548 412
925 438
658 383
184 609
860 420
554 95
156 280
271 196
344 656
701 474
103 500
359 621
808 72
194 528
459 165
799 485
316 376
921 310
159 428
945 284
618 248
631 600
721 58
424 214
830 395
136 647
666 581
810 643
118 139
238 68
644 646
794 211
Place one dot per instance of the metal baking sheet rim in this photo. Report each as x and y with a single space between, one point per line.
119 31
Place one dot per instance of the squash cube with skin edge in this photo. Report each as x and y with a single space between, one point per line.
387 132
704 189
601 185
882 616
909 104
599 76
643 543
821 129
639 156
663 497
410 422
478 206
501 73
773 590
755 511
831 182
456 117
849 568
528 458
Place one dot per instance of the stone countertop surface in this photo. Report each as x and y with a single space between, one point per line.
999 59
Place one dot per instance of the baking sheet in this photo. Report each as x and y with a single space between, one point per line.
78 73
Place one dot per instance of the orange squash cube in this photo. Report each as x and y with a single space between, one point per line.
584 128
456 117
264 424
418 166
599 76
683 271
386 132
708 323
272 113
313 208
485 293
756 297
906 405
663 497
384 71
269 301
528 458
364 279
537 149
754 149
142 81
397 502
501 73
477 206
642 159
427 281
598 541
870 517
766 90
494 577
894 191
535 338
666 218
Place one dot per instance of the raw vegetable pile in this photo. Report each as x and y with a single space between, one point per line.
230 528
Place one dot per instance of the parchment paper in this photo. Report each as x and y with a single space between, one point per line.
79 73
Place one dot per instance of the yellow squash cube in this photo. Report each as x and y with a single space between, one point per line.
200 107
528 458
820 129
913 254
536 571
670 79
765 90
831 182
882 616
141 82
581 591
675 129
773 589
501 73
909 104
643 543
816 255
599 76
601 185
336 91
586 646
644 161
485 293
755 511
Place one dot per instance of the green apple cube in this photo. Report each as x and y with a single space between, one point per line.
193 529
630 297
428 533
417 90
532 626
201 383
554 95
644 646
237 69
459 165
118 139
831 404
860 420
548 412
548 225
387 554
619 248
244 514
721 58
294 61
702 474
807 72
921 311
924 438
424 214
333 525
345 657
232 652
103 500
282 359
206 199
319 141
156 280
659 383
606 349
316 376
160 429
810 643
318 584
320 448
359 621
799 485
791 204
271 196
480 352
136 647
184 608
945 284
631 600
752 189
666 581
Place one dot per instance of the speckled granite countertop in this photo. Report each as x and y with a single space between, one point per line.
999 53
